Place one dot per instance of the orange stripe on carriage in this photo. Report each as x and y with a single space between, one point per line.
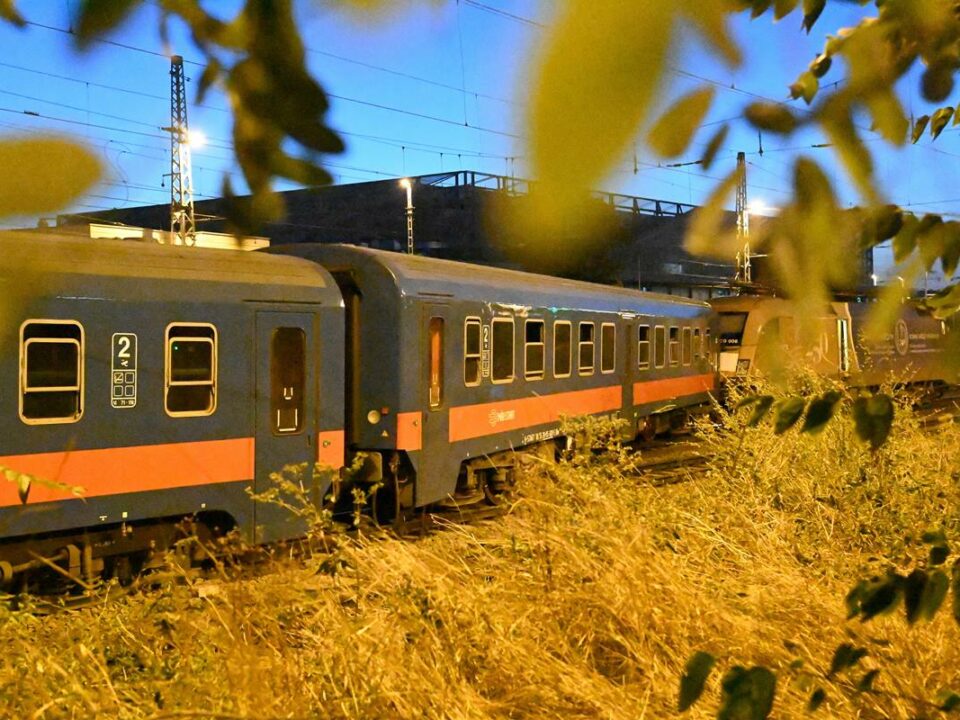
470 421
409 431
113 471
656 390
331 448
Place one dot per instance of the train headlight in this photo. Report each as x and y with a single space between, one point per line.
373 417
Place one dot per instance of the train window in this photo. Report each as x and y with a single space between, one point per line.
288 363
687 346
585 348
696 345
190 379
674 352
436 362
502 350
659 346
643 347
562 345
471 351
533 350
708 349
51 371
608 347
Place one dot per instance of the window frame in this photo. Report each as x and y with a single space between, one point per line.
569 325
593 348
301 423
81 375
697 345
613 369
513 350
543 349
660 346
673 346
649 345
469 321
214 362
686 346
436 329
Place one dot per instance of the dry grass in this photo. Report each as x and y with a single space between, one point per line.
584 601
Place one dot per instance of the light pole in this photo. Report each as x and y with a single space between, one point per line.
405 183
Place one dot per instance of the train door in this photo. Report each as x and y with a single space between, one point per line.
435 462
629 377
286 410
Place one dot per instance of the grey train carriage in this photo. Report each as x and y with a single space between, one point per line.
451 366
162 381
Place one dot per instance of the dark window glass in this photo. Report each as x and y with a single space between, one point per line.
659 346
696 345
687 345
436 362
502 350
51 375
643 347
674 353
561 349
191 370
608 347
534 348
471 352
585 355
288 361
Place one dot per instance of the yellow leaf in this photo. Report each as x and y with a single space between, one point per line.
672 133
774 117
838 124
596 78
713 147
939 121
710 18
919 126
888 117
710 232
43 175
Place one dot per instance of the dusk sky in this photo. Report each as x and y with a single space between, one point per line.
426 88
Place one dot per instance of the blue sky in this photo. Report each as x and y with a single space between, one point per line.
424 88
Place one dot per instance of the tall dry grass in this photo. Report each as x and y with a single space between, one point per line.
583 601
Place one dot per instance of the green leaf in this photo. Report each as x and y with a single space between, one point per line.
820 65
873 418
845 657
747 694
97 17
708 232
710 18
888 116
880 597
8 12
782 8
806 87
918 127
934 593
713 146
948 700
913 588
905 241
836 119
43 175
937 81
760 410
578 120
939 554
694 678
816 700
866 682
950 252
811 11
671 134
773 117
821 410
789 411
939 121
211 73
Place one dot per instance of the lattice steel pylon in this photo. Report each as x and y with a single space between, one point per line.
744 271
183 227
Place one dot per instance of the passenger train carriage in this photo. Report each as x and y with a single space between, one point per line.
450 366
166 382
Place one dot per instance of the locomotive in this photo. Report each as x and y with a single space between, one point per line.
755 332
166 382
